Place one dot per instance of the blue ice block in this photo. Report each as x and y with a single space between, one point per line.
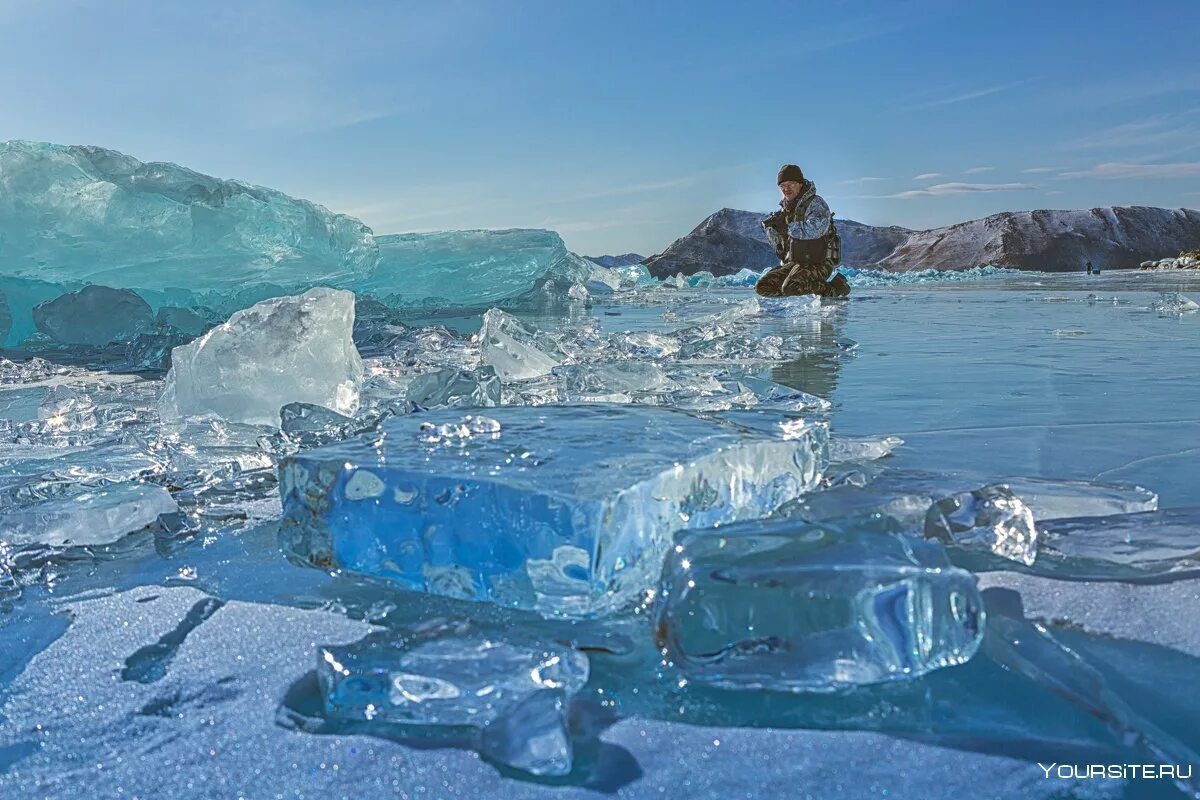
802 607
567 510
514 690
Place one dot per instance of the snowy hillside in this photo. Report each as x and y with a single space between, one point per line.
730 240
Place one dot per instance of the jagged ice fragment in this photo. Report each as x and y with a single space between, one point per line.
280 351
96 517
512 689
990 519
790 606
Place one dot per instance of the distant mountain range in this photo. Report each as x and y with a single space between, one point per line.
1053 241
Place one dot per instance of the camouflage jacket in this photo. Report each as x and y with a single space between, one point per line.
803 232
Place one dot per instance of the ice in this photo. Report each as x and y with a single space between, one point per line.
472 269
593 382
799 305
90 215
814 608
152 351
280 351
440 503
990 519
1175 303
874 277
96 517
743 277
634 276
6 319
94 315
310 425
514 350
455 388
182 320
770 394
1053 499
1145 545
863 448
514 691
1043 405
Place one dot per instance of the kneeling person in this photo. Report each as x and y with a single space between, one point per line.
806 241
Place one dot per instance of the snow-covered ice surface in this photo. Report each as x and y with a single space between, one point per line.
182 659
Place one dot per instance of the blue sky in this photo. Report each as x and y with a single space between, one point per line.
623 124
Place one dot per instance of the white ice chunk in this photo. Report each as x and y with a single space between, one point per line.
1056 499
1175 303
862 448
988 519
280 351
513 348
92 518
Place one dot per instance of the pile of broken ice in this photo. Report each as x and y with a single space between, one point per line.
82 265
574 473
655 480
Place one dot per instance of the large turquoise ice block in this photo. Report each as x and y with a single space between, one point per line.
461 268
562 509
776 604
91 215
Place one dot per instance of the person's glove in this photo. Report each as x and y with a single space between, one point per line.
776 222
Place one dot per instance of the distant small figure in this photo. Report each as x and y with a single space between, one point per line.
1096 270
1089 268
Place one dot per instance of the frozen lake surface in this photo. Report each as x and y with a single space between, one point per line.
183 660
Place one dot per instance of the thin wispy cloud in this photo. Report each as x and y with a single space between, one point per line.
1038 170
947 189
1158 137
864 179
1116 170
964 97
927 176
978 170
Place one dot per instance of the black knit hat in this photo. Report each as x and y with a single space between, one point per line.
790 172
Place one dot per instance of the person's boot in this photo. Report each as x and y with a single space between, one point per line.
838 287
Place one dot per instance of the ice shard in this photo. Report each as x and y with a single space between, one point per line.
96 517
90 215
310 425
512 691
800 607
515 350
592 382
1175 304
1055 499
455 388
1150 545
862 448
990 519
94 315
280 351
563 509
